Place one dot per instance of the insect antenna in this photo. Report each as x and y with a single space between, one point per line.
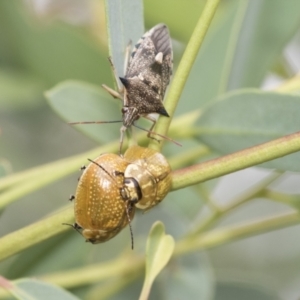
94 122
74 226
127 208
110 175
92 161
129 223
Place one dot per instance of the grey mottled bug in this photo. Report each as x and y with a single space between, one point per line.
147 75
146 78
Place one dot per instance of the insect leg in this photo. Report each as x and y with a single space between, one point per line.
120 86
114 93
122 130
152 119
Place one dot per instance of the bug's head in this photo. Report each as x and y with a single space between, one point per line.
130 115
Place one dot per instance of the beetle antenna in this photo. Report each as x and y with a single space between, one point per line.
112 177
74 226
127 207
130 228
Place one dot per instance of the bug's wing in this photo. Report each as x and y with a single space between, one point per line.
162 41
143 62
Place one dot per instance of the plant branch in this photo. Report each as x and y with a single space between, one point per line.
188 157
184 68
30 235
227 235
20 184
134 265
288 199
237 161
37 232
97 272
23 183
254 191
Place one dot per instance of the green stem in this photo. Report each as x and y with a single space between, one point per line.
188 157
33 234
245 197
232 45
23 183
290 85
20 184
145 292
287 199
28 236
227 235
70 164
184 68
134 265
236 161
97 272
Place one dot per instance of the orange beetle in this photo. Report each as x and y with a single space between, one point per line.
112 186
151 170
104 205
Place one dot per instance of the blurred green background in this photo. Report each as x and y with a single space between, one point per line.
45 42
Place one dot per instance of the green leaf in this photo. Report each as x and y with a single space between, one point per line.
125 24
206 76
159 250
241 49
242 290
52 256
189 277
250 117
158 11
5 167
77 101
54 51
261 36
49 256
19 90
31 289
188 209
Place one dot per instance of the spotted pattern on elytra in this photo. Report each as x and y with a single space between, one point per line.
112 186
102 200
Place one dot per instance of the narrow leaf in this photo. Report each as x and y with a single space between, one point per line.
244 290
250 117
262 34
77 101
241 49
31 289
159 250
191 277
54 52
125 24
